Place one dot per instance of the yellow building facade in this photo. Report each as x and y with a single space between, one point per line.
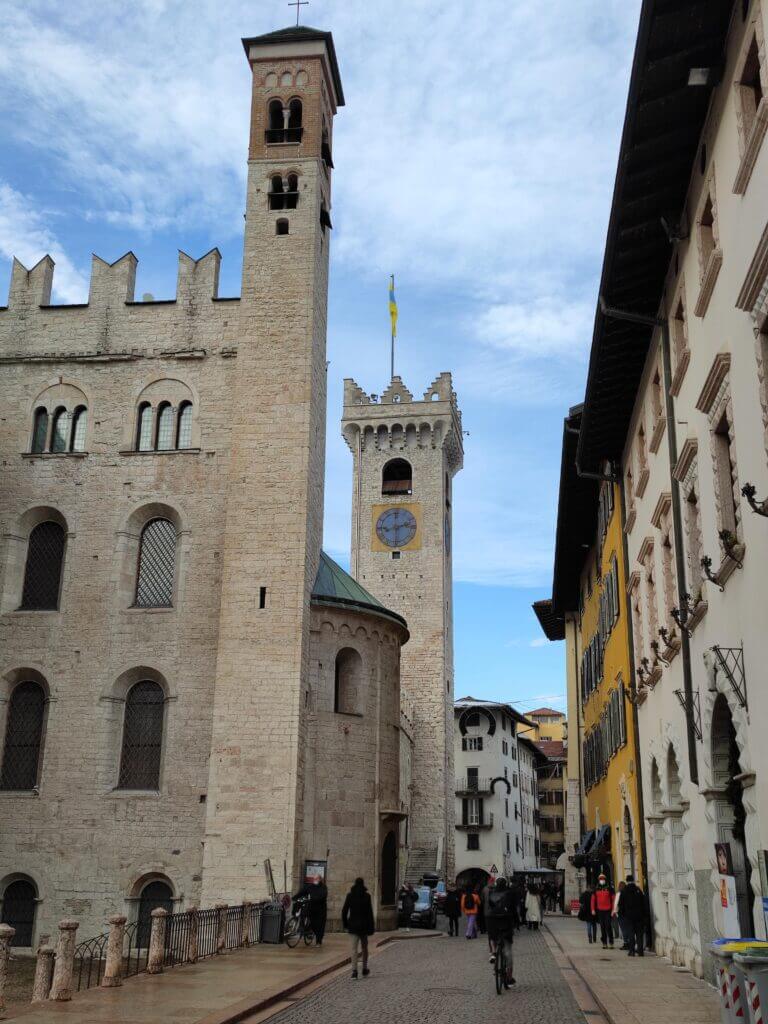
609 751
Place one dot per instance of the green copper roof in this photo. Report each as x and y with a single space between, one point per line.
334 586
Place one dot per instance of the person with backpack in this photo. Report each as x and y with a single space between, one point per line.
586 914
602 907
470 903
501 920
632 910
357 919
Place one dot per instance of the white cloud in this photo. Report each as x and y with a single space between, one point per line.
24 234
538 641
542 328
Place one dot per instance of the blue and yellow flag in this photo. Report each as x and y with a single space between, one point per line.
393 305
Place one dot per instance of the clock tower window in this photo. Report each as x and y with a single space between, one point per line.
397 477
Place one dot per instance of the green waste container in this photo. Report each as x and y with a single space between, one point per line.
753 963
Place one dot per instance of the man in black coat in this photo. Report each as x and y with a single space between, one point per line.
452 909
632 908
357 918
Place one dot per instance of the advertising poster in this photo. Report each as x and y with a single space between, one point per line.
727 890
315 871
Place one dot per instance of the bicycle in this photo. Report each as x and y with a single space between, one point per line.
298 926
500 970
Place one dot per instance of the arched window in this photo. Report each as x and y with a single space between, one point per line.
154 896
142 737
23 738
673 779
275 113
42 573
292 196
40 430
347 681
19 905
157 565
397 477
276 193
79 425
164 427
294 114
144 428
184 432
60 431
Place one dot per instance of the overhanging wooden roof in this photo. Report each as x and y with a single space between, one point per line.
659 145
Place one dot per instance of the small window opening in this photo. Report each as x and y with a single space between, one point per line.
294 115
262 597
281 226
276 193
707 230
292 195
396 555
397 477
751 86
325 219
724 467
434 397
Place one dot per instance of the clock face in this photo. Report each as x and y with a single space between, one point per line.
396 527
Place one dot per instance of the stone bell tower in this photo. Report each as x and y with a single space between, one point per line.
274 511
406 452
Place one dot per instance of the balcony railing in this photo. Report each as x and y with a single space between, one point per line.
274 136
476 826
473 786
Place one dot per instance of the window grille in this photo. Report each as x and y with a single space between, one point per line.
42 574
144 434
79 424
40 432
59 436
142 737
184 438
157 565
23 738
165 428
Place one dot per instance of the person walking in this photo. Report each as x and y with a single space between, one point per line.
469 907
533 908
632 910
602 907
357 919
452 907
621 925
587 914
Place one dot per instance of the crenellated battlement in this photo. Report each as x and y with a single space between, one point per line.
396 420
113 284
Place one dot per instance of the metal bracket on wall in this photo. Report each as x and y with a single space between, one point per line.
695 710
730 660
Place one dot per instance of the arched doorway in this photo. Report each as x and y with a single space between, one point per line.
731 814
19 905
389 870
154 894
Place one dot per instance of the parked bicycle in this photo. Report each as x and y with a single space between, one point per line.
298 925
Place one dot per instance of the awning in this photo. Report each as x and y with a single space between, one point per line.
586 842
602 844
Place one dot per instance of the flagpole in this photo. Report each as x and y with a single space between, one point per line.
392 350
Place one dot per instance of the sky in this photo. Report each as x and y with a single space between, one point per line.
475 160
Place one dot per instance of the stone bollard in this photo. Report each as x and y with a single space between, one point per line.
61 989
6 934
192 940
221 927
244 934
157 941
41 986
113 971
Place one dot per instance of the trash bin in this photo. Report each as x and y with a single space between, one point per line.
731 979
272 923
753 963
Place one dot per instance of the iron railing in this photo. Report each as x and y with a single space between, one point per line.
277 135
91 954
473 785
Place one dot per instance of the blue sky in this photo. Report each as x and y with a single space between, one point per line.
474 159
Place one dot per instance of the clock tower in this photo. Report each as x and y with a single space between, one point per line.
406 452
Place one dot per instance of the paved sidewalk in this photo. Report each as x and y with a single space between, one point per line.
219 990
634 991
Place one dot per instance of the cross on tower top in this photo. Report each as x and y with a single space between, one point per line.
298 4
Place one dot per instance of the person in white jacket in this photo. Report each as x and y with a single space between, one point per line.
532 908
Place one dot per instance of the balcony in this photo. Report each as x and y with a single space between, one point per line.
470 787
277 136
476 826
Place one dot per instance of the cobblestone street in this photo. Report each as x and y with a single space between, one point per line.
447 981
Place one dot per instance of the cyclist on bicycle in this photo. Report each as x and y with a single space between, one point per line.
501 919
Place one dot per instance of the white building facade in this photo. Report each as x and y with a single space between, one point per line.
496 792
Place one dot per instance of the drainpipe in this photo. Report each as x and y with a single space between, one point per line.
677 522
677 527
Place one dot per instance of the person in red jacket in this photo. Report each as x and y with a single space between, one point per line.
602 907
